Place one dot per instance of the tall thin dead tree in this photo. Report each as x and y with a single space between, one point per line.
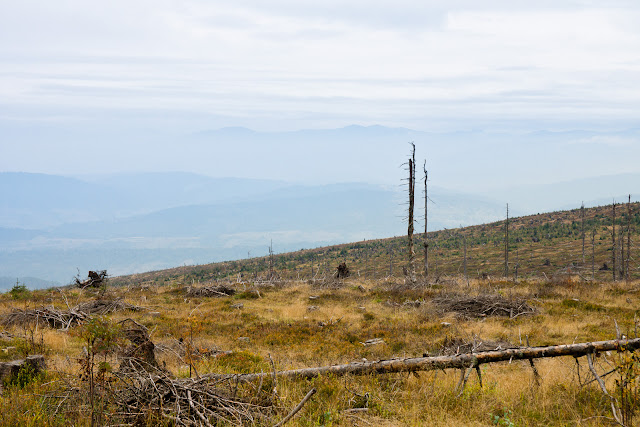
621 244
593 254
613 242
506 244
464 241
582 230
412 187
271 273
628 276
426 219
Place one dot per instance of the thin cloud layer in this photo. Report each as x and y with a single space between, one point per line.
292 64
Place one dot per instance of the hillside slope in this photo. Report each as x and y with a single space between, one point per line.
542 245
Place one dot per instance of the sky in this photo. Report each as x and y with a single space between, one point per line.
137 71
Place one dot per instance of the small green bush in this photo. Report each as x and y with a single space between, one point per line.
20 292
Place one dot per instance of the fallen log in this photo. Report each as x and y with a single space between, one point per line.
459 361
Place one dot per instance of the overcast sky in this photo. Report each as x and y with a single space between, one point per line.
190 65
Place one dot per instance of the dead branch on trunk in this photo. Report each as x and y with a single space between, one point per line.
452 346
460 361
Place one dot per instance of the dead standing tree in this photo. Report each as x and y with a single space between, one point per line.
628 238
411 271
613 241
582 231
506 245
426 218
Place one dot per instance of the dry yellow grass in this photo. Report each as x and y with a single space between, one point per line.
299 325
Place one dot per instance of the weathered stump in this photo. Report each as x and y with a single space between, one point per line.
9 371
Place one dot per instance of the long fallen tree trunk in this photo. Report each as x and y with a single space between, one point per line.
459 361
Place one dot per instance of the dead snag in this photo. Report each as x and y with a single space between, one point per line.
342 271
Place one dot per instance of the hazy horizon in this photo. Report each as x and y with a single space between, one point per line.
529 103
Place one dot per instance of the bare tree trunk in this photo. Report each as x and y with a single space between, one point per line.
593 254
271 273
517 266
621 244
466 276
435 258
506 245
628 237
613 242
582 230
412 186
460 361
426 220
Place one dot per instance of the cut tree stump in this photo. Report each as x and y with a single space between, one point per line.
9 370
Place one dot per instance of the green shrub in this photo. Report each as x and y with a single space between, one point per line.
20 292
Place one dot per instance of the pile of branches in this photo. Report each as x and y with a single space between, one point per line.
64 319
211 291
145 390
100 307
48 315
186 401
484 305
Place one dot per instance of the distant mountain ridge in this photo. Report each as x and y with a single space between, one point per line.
236 217
53 226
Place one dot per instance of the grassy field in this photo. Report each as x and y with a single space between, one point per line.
289 323
301 325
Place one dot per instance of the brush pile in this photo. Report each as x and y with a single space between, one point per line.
484 305
211 291
145 391
64 319
187 401
101 307
50 316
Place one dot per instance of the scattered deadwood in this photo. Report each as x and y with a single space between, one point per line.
211 291
459 361
484 305
100 307
187 401
64 319
49 316
95 279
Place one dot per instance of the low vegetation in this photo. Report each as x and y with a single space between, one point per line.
260 328
166 348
